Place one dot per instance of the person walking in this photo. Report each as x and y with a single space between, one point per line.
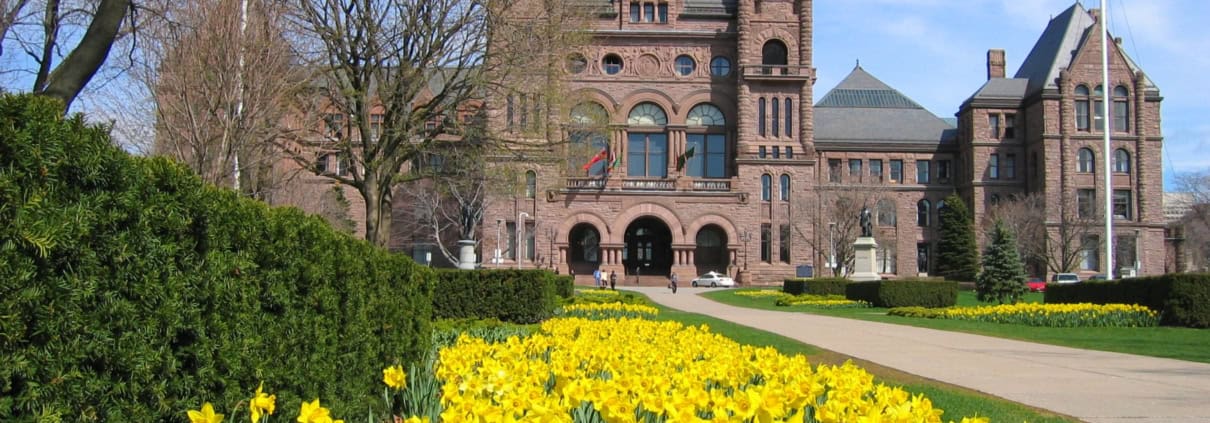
672 283
613 280
596 277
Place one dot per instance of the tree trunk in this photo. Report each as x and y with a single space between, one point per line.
69 78
378 210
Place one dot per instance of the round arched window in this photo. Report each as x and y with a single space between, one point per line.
611 64
720 66
685 65
705 114
647 114
589 114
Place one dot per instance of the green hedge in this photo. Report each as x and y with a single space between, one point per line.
515 296
131 291
1183 299
815 286
904 293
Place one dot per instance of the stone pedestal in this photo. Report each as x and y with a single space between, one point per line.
466 254
865 263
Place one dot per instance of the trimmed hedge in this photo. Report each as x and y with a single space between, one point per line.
1183 299
904 293
131 291
815 286
515 296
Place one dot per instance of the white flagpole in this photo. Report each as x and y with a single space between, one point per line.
1107 129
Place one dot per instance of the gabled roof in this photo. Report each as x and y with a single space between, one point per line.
862 108
1057 46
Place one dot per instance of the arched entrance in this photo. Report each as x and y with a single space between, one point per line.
583 249
711 253
648 247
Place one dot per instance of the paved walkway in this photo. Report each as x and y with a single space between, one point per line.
1093 386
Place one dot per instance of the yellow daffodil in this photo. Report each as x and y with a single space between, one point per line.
205 415
394 377
312 412
262 404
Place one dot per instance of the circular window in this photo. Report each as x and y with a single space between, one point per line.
576 63
611 64
685 65
720 66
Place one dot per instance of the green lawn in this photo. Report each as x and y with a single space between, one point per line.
1169 342
957 402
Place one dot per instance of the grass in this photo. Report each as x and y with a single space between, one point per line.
957 402
1167 342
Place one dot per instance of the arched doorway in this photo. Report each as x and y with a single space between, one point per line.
711 253
583 249
648 247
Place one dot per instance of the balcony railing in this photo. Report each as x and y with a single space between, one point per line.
709 185
649 184
585 183
778 72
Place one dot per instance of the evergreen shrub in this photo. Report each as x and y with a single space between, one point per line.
815 286
514 296
131 291
1183 299
904 293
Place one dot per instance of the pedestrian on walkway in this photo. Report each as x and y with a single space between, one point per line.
672 283
613 280
596 278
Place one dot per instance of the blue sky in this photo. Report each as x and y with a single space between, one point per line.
935 52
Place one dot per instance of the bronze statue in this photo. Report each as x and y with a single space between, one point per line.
867 227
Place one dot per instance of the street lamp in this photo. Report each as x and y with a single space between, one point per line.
747 236
832 247
496 257
520 238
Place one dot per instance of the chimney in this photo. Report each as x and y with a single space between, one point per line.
995 63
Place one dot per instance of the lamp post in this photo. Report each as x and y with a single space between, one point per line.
521 244
747 236
831 247
551 232
496 257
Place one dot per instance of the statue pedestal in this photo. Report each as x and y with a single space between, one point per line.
466 254
865 264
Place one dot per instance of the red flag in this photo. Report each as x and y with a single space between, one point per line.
600 156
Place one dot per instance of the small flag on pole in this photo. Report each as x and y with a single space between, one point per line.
683 158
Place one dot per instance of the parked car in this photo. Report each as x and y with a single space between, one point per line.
1036 284
1098 277
712 279
1065 278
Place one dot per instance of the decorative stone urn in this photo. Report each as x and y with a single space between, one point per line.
466 255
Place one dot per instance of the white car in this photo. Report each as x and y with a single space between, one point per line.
712 279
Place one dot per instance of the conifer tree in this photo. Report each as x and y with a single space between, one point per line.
957 252
1003 277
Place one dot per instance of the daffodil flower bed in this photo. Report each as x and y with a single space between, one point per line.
822 301
632 370
1050 315
763 293
603 292
608 311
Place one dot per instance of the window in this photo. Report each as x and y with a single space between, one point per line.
634 12
783 243
766 187
720 66
896 171
993 166
922 257
1125 249
611 64
789 117
789 152
1090 254
663 7
923 211
855 170
344 165
685 65
886 213
943 171
1098 108
1010 123
785 187
335 124
530 232
537 122
321 163
1121 161
705 114
576 63
1010 166
375 126
776 116
876 170
886 260
1122 204
760 116
1082 108
1085 201
776 152
760 151
531 183
1121 110
1085 162
993 126
774 53
766 253
508 112
648 12
922 171
647 154
524 111
709 155
834 170
511 245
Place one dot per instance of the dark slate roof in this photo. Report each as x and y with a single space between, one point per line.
1057 46
862 108
710 7
1002 88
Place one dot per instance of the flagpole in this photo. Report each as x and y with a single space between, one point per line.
1107 129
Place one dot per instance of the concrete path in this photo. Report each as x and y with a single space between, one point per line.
1093 386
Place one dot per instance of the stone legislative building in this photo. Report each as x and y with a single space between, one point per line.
715 156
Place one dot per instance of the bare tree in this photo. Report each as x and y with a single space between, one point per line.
1195 224
1067 237
833 216
1025 217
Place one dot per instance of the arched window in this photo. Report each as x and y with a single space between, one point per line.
588 114
785 187
1085 161
705 114
766 187
1082 106
1121 161
587 139
531 183
923 212
1098 108
774 53
760 116
647 144
776 118
1121 109
886 213
789 117
709 148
